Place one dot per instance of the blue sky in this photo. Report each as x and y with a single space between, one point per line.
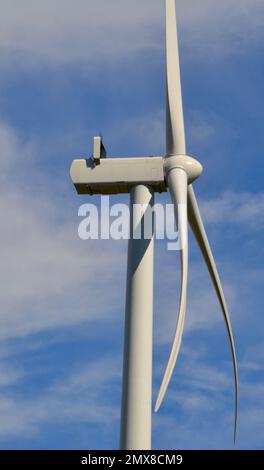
69 70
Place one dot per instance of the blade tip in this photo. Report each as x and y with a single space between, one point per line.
156 409
157 405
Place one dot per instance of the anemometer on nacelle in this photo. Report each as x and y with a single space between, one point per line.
98 150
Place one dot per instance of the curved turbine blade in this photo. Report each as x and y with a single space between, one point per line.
177 182
175 120
198 229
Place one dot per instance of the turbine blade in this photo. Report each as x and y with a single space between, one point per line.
177 182
198 229
175 120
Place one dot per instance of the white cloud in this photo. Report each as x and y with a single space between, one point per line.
9 375
214 29
235 208
63 30
66 30
13 149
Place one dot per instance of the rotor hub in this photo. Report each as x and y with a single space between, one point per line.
190 165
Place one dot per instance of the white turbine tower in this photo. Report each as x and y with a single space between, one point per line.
142 177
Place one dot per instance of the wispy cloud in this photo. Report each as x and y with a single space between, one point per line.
235 208
197 402
199 405
115 28
79 397
9 375
219 29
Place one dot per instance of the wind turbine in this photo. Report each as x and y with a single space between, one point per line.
142 177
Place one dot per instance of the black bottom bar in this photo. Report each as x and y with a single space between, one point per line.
114 459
